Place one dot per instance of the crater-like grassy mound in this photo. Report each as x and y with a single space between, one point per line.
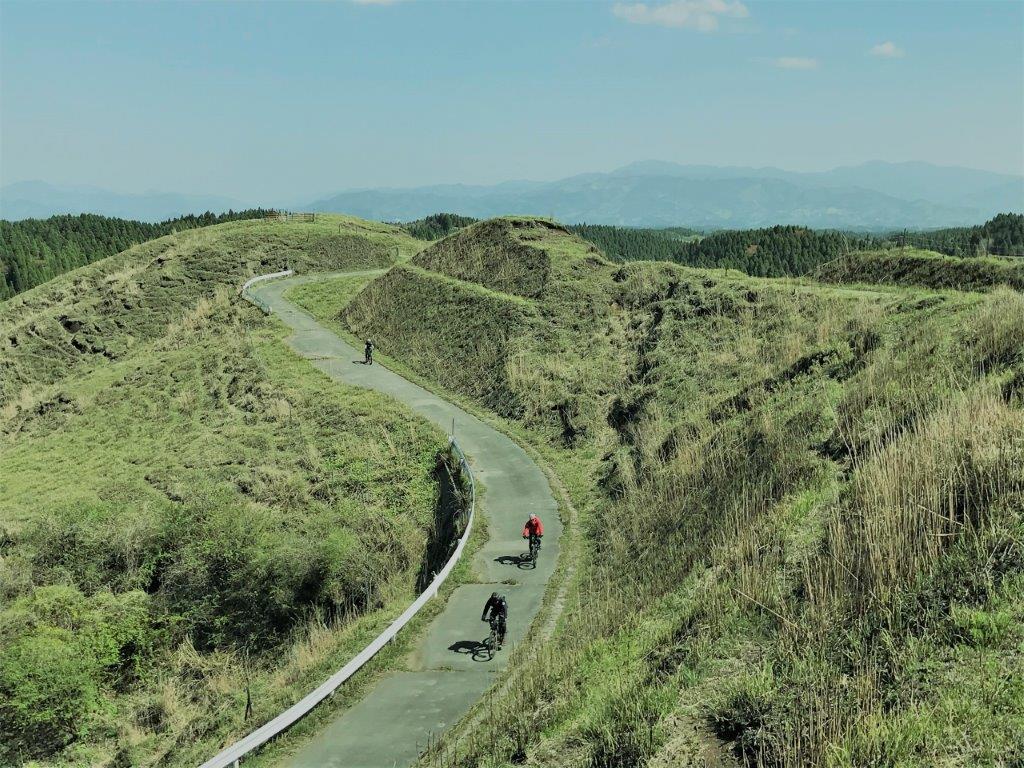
447 315
514 255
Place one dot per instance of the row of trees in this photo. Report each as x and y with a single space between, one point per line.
33 251
437 225
1002 235
773 252
633 244
791 250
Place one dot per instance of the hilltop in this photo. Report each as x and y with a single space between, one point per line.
34 251
801 503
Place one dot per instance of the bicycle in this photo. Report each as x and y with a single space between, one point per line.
492 644
534 549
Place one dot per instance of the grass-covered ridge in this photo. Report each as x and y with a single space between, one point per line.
186 507
913 266
33 251
512 255
804 508
524 352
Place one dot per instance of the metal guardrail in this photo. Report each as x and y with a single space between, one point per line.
233 754
289 216
244 290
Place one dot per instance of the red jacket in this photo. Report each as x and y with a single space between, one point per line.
533 526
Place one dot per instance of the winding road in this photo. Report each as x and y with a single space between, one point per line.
442 678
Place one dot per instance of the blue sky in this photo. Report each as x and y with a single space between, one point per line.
291 100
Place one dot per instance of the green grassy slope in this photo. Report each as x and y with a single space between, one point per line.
33 251
913 266
185 505
804 507
100 311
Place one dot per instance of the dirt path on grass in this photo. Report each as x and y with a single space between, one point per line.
442 678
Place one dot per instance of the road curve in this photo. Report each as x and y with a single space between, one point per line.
392 723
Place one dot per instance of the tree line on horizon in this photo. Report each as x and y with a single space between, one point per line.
33 251
789 250
437 225
779 251
1002 235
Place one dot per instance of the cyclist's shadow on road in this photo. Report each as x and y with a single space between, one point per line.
475 649
523 561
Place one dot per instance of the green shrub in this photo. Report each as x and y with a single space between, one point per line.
49 689
97 545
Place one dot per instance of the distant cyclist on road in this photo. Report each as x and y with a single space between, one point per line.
496 611
534 529
368 353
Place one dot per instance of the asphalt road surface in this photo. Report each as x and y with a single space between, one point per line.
393 722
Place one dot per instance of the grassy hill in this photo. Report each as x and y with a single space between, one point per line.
914 266
36 250
187 510
802 505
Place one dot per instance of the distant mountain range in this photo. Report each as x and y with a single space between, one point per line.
39 200
872 196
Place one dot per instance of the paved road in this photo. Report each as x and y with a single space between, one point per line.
393 722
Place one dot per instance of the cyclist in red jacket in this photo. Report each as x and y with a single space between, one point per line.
533 530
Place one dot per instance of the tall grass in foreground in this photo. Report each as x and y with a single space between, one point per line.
830 571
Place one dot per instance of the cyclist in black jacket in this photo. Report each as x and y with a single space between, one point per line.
496 609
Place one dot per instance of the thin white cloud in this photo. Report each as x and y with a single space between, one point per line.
701 15
795 62
887 50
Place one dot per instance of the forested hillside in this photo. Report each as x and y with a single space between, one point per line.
1001 236
33 251
633 243
792 251
772 252
437 225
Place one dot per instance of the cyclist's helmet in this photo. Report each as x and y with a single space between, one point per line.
494 595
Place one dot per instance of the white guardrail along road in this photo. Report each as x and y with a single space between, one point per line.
244 290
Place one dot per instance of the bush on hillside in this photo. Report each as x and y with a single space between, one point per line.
48 691
60 650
